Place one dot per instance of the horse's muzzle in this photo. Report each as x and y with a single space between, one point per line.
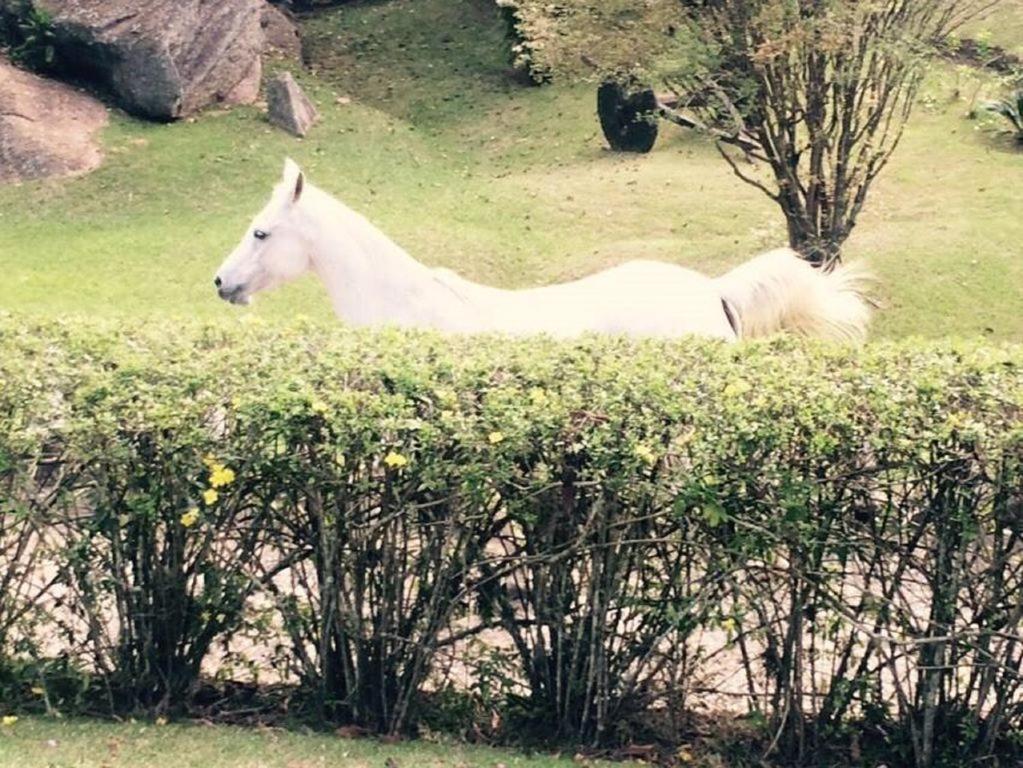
235 295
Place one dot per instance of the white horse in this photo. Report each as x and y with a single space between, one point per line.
372 281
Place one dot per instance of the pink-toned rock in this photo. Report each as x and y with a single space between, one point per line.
247 91
46 128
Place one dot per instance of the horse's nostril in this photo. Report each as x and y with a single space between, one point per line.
217 282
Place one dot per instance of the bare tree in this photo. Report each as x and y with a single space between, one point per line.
819 90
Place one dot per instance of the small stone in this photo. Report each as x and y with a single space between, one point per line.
288 107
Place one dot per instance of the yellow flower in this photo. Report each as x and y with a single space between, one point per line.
210 461
9 720
495 437
645 454
221 476
395 460
191 517
318 406
736 388
210 496
537 396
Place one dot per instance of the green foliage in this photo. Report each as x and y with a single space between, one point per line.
391 496
1011 108
29 34
580 38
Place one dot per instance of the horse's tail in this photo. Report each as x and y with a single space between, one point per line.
778 291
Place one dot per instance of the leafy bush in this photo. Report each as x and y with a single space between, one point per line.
148 573
1011 108
838 529
385 551
155 573
579 38
28 33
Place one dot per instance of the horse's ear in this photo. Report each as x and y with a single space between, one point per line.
294 179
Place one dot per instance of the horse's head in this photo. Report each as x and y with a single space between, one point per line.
273 250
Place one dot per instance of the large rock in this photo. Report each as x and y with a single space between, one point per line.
164 59
282 36
288 107
46 128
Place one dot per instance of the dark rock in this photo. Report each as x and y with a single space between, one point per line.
628 119
288 107
164 59
46 128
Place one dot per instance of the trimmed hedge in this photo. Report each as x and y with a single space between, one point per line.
842 527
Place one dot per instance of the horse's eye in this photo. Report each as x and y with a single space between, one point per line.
261 235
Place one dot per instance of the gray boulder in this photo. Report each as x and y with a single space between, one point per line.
46 128
288 107
164 59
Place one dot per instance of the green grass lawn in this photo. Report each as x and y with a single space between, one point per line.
47 743
431 137
1002 26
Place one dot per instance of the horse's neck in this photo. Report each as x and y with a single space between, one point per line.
372 281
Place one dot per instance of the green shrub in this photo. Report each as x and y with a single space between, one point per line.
150 574
1011 108
28 33
589 38
33 381
841 527
386 534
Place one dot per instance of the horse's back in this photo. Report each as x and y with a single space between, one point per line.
639 298
647 273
